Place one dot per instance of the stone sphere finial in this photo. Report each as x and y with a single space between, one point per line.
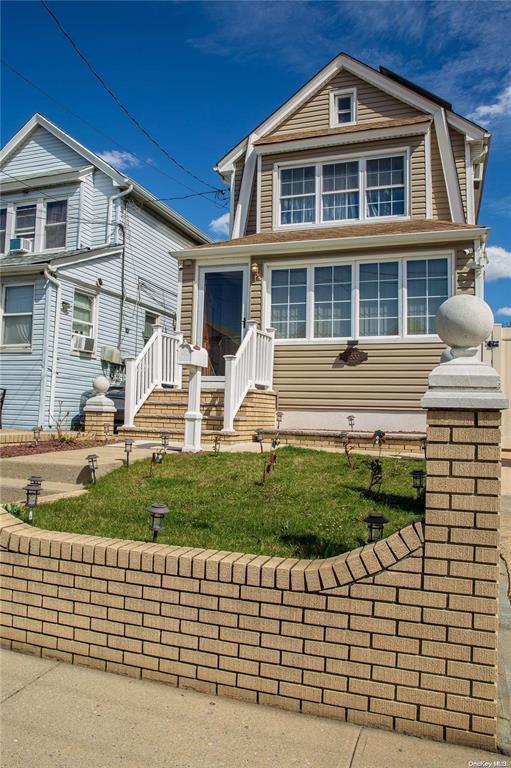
463 322
101 385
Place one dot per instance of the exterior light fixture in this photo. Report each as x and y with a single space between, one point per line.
35 480
259 438
157 513
255 271
351 421
32 490
106 432
279 415
418 478
128 446
375 524
165 441
37 435
93 465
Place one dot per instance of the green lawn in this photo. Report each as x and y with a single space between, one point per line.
312 505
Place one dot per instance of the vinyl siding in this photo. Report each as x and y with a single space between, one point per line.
187 301
42 152
238 175
458 150
372 104
21 372
103 190
439 200
251 227
417 170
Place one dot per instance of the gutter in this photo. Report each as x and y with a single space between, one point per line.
55 351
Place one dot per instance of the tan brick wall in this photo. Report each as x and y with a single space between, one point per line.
400 634
95 423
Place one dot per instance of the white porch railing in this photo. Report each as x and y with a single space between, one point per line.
155 365
250 367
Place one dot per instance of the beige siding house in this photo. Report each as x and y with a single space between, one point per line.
354 215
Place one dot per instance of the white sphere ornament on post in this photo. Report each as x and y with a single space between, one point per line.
461 380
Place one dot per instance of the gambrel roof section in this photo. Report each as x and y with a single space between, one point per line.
119 179
415 98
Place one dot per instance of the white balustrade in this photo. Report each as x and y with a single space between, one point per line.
250 367
155 365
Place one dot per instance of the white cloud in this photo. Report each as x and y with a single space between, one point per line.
120 160
220 226
499 263
500 108
506 311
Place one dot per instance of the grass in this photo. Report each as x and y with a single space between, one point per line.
312 505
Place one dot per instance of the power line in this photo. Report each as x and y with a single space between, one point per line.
119 103
61 104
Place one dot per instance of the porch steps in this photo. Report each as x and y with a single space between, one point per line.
164 411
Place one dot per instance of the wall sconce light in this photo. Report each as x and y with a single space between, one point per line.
256 275
418 478
128 445
375 524
37 435
32 490
157 513
93 465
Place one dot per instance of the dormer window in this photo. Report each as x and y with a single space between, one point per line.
343 108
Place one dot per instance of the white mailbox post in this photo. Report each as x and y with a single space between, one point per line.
195 358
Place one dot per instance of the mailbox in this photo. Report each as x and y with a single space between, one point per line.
192 354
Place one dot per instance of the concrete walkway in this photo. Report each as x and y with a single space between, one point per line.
55 715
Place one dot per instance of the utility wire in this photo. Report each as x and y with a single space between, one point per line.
119 103
61 104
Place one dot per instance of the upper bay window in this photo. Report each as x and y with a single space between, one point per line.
349 190
56 222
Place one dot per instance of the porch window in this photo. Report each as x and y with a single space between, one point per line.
3 224
379 299
298 195
340 191
332 301
25 222
56 224
83 314
289 303
17 311
385 186
427 287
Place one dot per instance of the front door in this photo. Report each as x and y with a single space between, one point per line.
222 313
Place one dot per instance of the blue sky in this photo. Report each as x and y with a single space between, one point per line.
199 76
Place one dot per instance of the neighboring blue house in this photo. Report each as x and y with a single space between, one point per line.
87 266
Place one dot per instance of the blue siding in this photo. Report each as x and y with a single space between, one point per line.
41 152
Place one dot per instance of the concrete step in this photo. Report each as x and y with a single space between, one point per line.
11 489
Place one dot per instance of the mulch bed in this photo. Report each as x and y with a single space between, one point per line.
49 446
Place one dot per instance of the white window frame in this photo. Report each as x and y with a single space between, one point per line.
45 225
16 347
5 208
334 112
402 337
27 204
94 297
318 163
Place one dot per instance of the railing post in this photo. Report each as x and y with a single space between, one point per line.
252 330
272 332
130 391
229 394
158 354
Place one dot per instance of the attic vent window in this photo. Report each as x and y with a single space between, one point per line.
343 108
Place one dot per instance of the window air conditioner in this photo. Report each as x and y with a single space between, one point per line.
81 343
20 245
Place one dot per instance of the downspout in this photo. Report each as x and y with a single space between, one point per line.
56 333
111 238
46 341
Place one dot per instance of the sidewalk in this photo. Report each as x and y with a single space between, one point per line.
55 715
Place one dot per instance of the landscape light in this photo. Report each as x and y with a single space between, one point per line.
418 477
128 445
375 525
106 432
259 438
351 421
93 465
35 480
157 513
280 416
37 435
32 490
165 441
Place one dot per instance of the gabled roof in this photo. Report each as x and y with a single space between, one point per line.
387 81
119 179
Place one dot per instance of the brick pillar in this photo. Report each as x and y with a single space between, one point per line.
99 410
461 531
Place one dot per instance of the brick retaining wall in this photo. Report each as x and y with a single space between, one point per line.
400 634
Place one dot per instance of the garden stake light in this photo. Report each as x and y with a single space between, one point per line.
37 435
216 445
157 513
106 432
128 446
375 524
418 477
93 465
279 415
259 439
32 490
35 480
165 441
351 421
